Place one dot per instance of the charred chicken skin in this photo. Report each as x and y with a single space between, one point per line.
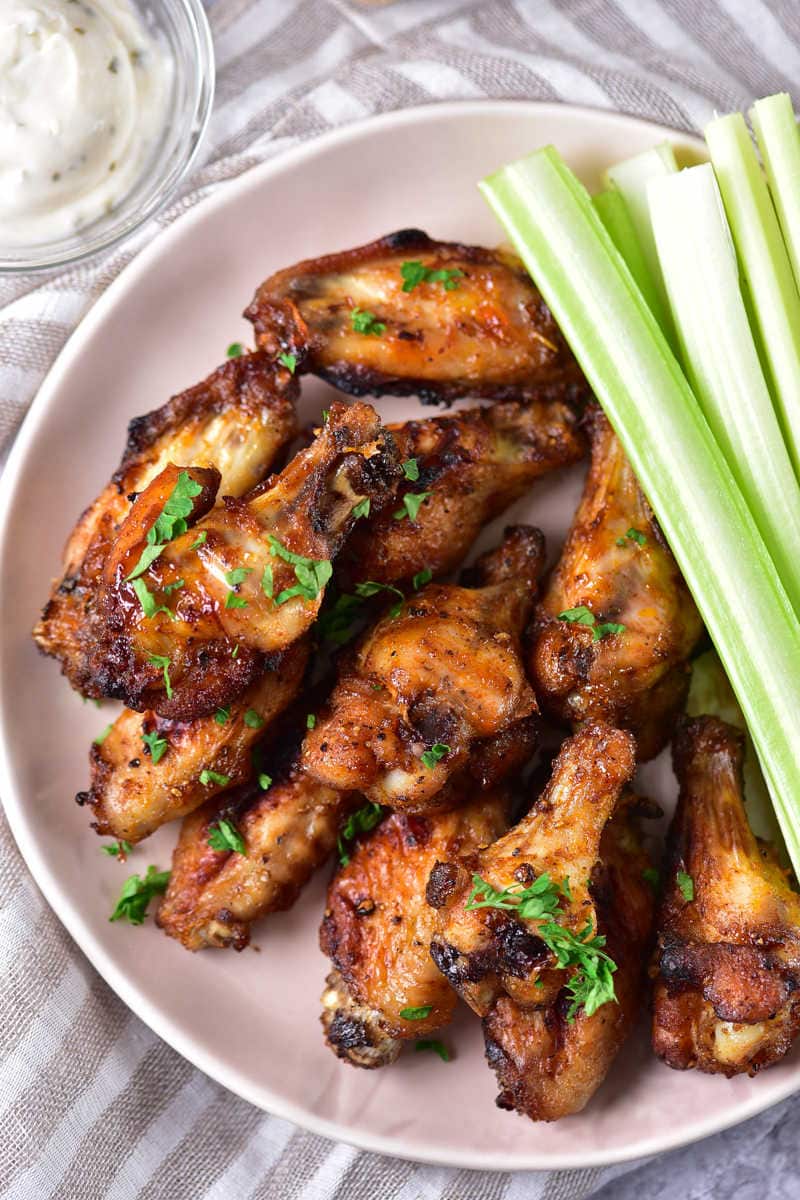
377 930
471 466
518 923
727 987
240 419
615 571
148 771
436 690
406 315
243 583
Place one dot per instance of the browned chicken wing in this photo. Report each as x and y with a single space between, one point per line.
471 466
615 571
472 324
727 990
377 930
521 927
148 771
242 584
436 689
239 420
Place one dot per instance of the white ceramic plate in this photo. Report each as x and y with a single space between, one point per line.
251 1020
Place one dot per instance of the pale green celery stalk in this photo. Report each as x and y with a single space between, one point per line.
774 299
550 219
698 263
631 177
613 212
779 142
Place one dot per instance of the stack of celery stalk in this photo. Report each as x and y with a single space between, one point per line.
679 293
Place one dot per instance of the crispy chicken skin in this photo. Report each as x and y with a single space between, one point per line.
490 335
132 796
447 673
215 648
377 929
473 465
289 831
547 1066
240 419
727 986
636 679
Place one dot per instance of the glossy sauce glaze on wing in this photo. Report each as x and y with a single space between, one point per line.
727 966
239 420
244 583
478 329
433 686
615 570
377 929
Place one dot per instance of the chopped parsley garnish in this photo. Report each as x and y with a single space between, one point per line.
421 578
437 752
101 737
311 721
174 587
370 588
289 361
117 849
414 273
366 322
199 540
583 616
411 469
207 777
137 893
361 821
436 1046
267 582
336 624
225 836
685 885
148 600
252 720
264 782
222 715
411 505
416 1014
633 535
157 746
234 601
237 575
163 660
234 350
651 877
311 574
169 524
361 509
235 651
592 984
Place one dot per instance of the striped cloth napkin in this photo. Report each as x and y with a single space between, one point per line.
94 1106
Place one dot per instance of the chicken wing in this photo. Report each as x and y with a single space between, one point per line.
542 930
240 420
242 584
471 465
377 930
616 623
148 771
427 691
727 989
410 316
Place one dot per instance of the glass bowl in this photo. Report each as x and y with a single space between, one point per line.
183 26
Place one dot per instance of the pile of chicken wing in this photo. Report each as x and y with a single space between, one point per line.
308 677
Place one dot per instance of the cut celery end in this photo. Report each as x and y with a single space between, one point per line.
698 263
549 217
613 212
631 178
779 142
774 299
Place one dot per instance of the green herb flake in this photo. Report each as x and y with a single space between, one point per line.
199 540
685 886
234 601
225 836
633 535
414 273
101 737
437 752
361 821
366 322
607 629
136 895
235 651
411 469
584 616
252 720
169 524
208 777
652 878
163 661
264 782
174 587
148 600
289 361
311 721
117 849
237 575
361 509
436 1046
416 1014
421 578
235 350
412 501
312 574
369 588
157 746
222 715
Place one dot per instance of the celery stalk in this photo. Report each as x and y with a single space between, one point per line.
550 219
698 263
631 177
779 142
613 212
774 299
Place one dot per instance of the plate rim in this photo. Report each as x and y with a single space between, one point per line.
58 899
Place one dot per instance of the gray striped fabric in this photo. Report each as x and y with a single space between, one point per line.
95 1107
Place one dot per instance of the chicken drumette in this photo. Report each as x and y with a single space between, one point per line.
727 987
616 623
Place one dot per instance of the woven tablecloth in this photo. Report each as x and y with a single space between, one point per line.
94 1105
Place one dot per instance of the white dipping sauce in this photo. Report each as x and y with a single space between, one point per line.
84 91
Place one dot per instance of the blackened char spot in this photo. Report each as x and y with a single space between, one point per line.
441 884
348 1033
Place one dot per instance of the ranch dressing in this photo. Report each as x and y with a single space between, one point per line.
84 90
